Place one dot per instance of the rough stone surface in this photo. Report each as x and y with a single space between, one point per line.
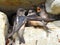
57 23
37 36
53 6
3 27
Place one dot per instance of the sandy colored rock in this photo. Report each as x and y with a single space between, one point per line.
37 36
3 27
53 6
57 23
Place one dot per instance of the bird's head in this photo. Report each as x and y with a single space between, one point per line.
21 12
40 7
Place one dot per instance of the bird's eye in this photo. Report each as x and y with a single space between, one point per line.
38 9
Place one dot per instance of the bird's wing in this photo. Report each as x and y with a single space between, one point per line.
19 21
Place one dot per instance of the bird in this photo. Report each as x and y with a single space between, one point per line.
39 18
45 17
19 25
34 18
32 15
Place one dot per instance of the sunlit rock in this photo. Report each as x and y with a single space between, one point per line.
53 6
37 36
3 27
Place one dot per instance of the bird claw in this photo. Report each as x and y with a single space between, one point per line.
21 40
48 31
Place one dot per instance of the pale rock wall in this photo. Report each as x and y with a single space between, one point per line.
3 27
37 36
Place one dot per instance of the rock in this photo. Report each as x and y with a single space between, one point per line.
55 34
3 27
37 36
53 26
16 41
57 23
31 35
53 6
